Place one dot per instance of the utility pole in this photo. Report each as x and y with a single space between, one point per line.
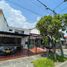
53 11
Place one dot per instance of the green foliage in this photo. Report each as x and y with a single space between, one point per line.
45 40
43 62
50 56
50 25
51 28
64 18
59 58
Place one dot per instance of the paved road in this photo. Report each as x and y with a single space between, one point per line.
64 64
20 62
64 50
25 62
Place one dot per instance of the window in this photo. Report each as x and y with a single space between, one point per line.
8 40
16 32
10 29
22 32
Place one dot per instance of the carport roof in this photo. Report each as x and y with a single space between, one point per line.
14 34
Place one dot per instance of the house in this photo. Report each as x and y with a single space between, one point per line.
20 37
11 36
35 38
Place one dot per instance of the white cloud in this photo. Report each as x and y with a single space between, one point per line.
14 17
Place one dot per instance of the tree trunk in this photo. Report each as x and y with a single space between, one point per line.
54 52
61 49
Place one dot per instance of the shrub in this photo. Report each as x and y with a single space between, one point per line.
43 62
61 58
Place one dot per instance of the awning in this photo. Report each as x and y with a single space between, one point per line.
9 34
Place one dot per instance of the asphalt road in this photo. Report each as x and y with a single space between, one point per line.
20 62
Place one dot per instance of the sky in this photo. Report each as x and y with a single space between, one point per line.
26 13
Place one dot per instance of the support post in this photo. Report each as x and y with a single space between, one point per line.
28 44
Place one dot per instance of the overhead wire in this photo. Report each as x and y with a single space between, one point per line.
35 3
63 9
35 13
38 6
47 7
29 10
58 5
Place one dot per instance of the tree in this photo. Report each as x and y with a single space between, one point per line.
49 27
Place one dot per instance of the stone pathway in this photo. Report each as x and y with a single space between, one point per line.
19 62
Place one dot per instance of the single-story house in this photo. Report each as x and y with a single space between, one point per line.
17 36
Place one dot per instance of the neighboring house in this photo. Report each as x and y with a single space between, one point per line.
10 35
3 23
35 38
16 36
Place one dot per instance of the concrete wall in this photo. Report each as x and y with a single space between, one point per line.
23 42
27 31
34 31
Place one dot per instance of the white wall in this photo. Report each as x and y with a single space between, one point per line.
27 31
3 24
34 31
19 30
23 41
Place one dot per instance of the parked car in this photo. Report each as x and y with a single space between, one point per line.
6 50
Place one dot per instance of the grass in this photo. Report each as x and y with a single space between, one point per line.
48 61
43 62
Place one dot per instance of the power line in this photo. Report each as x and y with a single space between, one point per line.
35 13
65 0
37 5
47 7
58 5
42 4
63 9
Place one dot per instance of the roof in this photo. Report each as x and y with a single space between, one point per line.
32 31
10 27
1 12
15 34
16 28
35 31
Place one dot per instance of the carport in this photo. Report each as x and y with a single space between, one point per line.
11 39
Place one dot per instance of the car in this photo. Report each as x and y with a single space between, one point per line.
7 50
